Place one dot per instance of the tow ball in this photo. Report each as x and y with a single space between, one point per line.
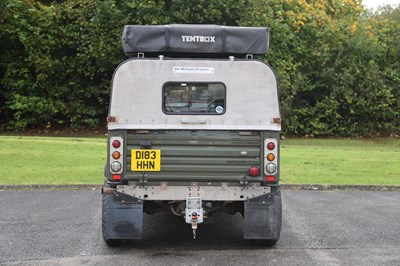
193 213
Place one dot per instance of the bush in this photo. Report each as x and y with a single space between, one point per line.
338 66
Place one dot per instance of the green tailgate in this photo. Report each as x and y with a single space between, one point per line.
223 156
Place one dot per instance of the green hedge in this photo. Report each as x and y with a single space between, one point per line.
338 65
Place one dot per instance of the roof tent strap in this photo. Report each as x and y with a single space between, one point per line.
167 45
223 35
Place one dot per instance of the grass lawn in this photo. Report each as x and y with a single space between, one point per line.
56 160
340 161
52 160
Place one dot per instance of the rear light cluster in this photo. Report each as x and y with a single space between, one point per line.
270 159
116 157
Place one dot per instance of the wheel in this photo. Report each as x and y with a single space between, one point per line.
109 242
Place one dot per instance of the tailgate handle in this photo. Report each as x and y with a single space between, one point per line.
193 121
145 144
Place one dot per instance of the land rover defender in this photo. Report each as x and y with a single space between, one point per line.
193 127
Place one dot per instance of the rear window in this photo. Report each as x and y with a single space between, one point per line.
194 98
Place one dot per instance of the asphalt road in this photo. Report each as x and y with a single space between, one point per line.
319 228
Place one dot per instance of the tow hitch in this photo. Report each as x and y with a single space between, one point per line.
193 213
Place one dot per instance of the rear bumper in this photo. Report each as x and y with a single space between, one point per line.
222 192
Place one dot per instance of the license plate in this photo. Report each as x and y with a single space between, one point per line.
146 160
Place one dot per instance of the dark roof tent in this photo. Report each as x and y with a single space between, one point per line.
194 40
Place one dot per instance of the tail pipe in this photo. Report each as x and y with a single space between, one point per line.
107 190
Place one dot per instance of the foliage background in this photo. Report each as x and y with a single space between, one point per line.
338 64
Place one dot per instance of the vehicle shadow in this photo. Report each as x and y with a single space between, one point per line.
165 232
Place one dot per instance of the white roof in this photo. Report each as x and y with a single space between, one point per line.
251 94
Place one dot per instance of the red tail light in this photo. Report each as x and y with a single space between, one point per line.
254 171
270 146
116 144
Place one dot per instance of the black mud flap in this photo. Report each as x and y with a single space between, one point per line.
122 217
263 216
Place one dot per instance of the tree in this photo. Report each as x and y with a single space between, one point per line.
330 67
337 64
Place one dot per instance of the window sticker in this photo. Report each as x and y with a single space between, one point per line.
219 109
198 70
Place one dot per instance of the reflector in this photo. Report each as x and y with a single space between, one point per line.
270 178
116 177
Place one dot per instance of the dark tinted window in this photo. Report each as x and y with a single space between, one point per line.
194 98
